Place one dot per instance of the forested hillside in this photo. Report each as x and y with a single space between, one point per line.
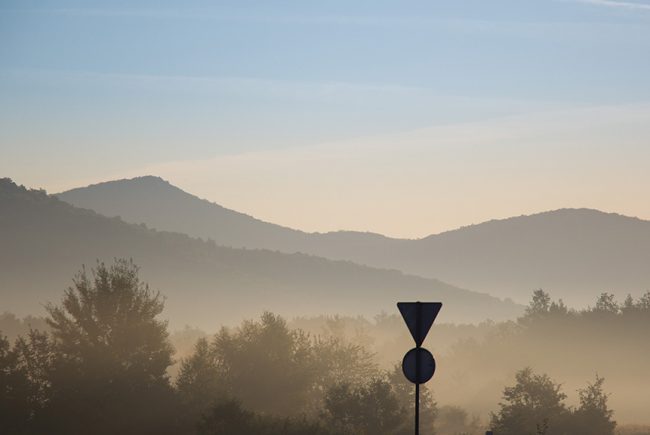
43 240
578 253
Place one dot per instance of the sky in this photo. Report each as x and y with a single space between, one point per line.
404 118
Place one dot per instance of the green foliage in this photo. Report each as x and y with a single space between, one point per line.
110 356
15 391
540 304
535 406
535 402
258 359
13 327
25 383
593 417
109 323
607 307
101 367
36 358
542 308
405 393
606 303
199 383
367 409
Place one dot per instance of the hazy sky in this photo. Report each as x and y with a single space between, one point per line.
400 117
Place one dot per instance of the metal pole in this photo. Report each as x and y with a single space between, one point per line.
417 409
417 371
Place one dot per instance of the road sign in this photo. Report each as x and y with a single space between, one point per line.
419 317
418 365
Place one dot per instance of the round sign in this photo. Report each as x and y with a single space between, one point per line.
418 365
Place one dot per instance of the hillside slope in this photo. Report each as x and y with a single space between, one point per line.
160 205
44 241
574 253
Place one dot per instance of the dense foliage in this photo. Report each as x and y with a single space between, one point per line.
535 406
104 356
258 359
101 364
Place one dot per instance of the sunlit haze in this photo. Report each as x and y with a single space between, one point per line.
335 217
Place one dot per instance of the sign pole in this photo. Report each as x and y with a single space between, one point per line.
418 324
418 364
417 409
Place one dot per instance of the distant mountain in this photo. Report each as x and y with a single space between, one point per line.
574 253
160 205
44 241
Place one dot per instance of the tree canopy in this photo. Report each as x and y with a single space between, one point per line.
105 354
262 357
535 406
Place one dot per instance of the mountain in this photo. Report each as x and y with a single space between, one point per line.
44 241
160 205
575 254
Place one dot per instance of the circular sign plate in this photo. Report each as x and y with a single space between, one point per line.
418 365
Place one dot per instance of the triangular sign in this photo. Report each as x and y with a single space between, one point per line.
419 317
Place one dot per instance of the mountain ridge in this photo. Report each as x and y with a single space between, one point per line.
151 179
44 241
507 257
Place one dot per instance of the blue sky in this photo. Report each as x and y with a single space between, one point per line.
90 90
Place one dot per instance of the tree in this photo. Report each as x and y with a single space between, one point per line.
628 306
112 353
261 358
337 361
535 406
532 406
15 391
369 409
405 393
255 361
25 387
593 417
199 383
643 303
606 303
540 304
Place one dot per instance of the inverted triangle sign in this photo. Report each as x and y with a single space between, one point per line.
419 317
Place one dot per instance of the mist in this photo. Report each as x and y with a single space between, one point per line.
328 328
325 218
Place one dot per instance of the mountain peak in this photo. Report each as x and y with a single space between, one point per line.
155 179
141 181
44 240
577 252
561 216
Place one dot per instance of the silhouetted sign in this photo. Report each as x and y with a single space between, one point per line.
419 317
418 365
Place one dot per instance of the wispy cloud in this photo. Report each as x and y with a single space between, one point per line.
228 85
618 4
